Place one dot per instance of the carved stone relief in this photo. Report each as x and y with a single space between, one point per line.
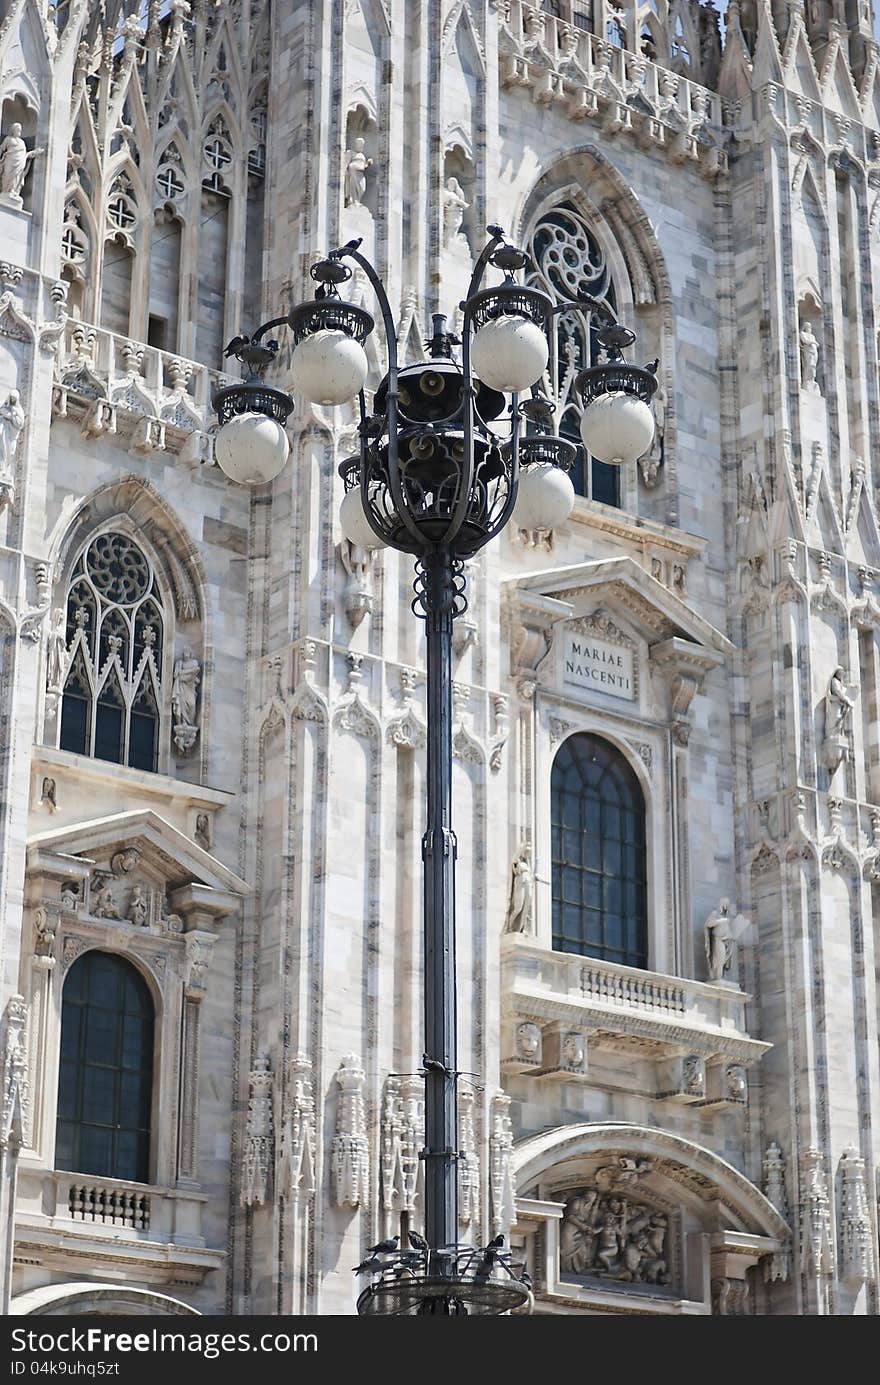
613 1236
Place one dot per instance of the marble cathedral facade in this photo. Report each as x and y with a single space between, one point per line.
667 757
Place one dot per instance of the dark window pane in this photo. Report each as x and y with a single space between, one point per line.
605 483
64 1142
132 1156
142 742
74 724
108 733
102 1036
106 1080
598 853
99 1098
96 1151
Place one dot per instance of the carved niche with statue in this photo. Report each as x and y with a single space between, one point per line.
614 1230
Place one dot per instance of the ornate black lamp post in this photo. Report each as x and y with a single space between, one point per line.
434 479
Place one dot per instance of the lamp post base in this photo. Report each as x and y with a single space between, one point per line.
405 1296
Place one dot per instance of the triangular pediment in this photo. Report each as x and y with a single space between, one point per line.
159 851
649 608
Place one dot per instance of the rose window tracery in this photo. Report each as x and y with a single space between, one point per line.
570 263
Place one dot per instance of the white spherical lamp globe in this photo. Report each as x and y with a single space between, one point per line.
617 428
354 522
510 354
251 449
545 498
329 367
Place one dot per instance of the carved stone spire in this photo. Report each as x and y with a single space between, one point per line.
296 1158
855 1223
468 1159
350 1152
260 1136
502 1190
817 1240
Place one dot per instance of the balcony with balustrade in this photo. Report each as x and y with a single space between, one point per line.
563 1012
77 1224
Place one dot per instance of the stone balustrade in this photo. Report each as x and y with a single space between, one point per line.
609 1003
152 398
113 1204
64 1219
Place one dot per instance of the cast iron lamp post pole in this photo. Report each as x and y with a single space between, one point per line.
434 479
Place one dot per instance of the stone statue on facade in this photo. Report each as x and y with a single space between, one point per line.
454 207
838 705
15 161
838 715
522 888
56 653
356 165
720 932
809 349
184 699
103 904
718 939
138 909
652 460
11 424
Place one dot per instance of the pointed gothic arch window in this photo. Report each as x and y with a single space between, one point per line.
105 1087
600 891
115 636
570 263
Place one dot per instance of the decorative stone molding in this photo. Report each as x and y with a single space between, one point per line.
15 1115
349 1150
500 729
352 714
259 1137
199 950
682 1079
564 1052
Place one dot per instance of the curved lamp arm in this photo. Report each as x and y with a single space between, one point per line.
351 252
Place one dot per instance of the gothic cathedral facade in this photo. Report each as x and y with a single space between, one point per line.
667 711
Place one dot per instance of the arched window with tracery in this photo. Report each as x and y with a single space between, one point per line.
105 1080
598 848
570 263
115 638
